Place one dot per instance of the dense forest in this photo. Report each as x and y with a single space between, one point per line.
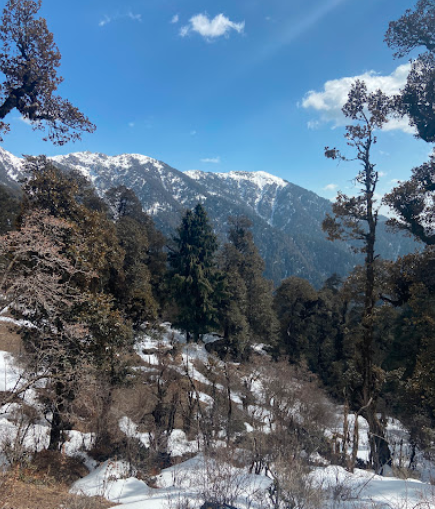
86 274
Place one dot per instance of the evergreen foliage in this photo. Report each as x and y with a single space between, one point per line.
144 262
247 314
195 282
9 210
296 301
413 203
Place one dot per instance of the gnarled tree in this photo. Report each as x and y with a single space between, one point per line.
356 218
413 202
415 29
29 59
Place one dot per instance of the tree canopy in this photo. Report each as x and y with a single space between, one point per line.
194 276
29 59
415 29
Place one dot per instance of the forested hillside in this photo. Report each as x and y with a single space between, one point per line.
286 219
146 357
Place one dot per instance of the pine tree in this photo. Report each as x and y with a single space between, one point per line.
141 291
194 280
248 314
296 302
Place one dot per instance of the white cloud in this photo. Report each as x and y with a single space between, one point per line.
219 26
313 124
330 187
135 17
334 95
105 21
175 19
108 19
213 160
184 31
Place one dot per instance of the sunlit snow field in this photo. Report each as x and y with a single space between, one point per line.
189 482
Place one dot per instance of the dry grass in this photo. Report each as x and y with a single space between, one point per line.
19 491
10 340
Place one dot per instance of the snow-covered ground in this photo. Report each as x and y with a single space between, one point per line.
193 480
197 479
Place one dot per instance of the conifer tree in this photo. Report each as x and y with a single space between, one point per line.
234 308
9 210
296 302
194 279
248 314
144 261
356 218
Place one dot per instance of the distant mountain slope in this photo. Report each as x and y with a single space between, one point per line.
10 170
287 218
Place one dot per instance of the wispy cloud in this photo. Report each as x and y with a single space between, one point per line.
208 28
131 124
212 160
106 20
109 19
331 99
313 124
175 19
330 187
134 17
193 133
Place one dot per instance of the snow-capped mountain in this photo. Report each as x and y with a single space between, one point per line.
286 218
10 169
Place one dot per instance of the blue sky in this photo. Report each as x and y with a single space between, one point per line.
226 85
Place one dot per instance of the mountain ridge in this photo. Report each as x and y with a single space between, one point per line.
286 218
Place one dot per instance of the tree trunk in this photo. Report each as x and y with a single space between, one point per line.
379 449
380 454
57 438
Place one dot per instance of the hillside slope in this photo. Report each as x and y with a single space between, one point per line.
286 218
